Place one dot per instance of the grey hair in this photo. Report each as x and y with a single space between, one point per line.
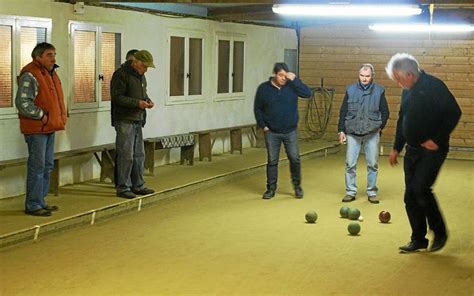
40 48
130 54
403 63
368 66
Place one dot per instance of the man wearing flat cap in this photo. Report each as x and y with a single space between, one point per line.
129 103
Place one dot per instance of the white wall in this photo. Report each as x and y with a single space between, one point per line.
264 46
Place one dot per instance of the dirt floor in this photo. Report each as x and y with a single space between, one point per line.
79 198
226 240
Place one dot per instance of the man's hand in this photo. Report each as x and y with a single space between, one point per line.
265 129
392 158
44 119
150 104
430 145
290 76
342 138
143 104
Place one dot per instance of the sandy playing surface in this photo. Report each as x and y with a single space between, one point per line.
226 240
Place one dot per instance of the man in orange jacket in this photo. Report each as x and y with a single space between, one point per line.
40 104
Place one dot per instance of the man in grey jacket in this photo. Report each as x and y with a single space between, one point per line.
363 114
129 101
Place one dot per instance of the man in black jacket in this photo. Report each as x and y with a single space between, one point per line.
129 101
428 114
276 113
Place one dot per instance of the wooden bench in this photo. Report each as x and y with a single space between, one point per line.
106 161
235 133
185 141
455 152
12 162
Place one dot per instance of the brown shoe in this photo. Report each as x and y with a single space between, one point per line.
373 199
348 198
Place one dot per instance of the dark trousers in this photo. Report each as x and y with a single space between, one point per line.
421 169
290 142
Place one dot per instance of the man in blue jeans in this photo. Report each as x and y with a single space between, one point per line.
40 104
129 102
276 112
363 114
128 57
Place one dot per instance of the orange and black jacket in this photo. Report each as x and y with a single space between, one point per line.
40 93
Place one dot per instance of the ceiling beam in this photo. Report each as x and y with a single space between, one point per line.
245 11
182 1
377 2
242 13
457 3
460 12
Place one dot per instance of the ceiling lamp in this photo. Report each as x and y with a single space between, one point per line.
420 28
346 10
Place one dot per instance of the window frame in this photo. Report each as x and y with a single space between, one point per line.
186 98
231 37
98 28
17 22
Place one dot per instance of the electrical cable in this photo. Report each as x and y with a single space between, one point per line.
319 110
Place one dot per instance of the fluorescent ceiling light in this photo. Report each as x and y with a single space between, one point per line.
346 10
420 28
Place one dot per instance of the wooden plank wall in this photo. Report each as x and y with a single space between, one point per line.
335 53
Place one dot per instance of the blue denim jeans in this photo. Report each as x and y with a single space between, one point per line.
290 142
371 147
39 167
130 156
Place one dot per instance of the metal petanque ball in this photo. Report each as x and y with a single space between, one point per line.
311 216
384 216
353 214
344 212
353 228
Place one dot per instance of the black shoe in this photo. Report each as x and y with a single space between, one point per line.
438 242
51 208
299 192
348 198
39 213
144 191
373 199
414 246
126 194
269 194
